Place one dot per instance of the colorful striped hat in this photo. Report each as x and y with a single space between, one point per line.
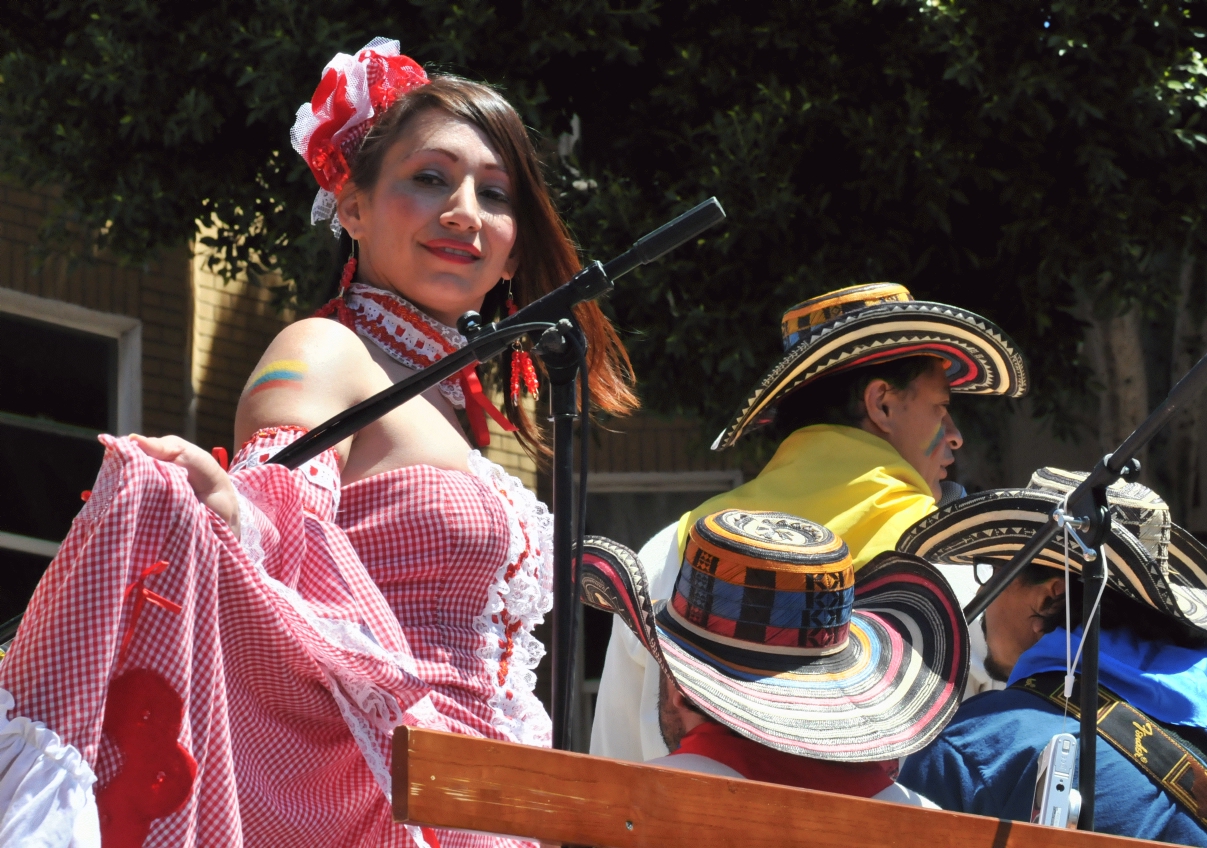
769 632
879 322
992 526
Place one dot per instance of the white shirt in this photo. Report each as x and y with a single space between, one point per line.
626 708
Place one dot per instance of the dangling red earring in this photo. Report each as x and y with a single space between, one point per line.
521 362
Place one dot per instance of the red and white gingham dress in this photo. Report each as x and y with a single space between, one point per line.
296 651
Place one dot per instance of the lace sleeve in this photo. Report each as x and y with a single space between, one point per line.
321 496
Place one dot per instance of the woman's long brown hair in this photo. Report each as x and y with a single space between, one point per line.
547 254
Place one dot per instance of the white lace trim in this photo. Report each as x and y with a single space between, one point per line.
407 336
525 597
323 209
365 707
314 472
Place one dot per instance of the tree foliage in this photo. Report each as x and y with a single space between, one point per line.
1008 156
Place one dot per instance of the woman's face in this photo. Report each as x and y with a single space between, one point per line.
439 227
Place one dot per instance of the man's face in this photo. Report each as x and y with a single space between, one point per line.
916 421
1014 622
670 720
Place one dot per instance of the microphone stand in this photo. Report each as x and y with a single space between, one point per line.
562 347
1088 512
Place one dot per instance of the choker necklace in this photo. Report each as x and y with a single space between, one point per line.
417 341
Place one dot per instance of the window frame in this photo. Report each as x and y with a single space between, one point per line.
128 333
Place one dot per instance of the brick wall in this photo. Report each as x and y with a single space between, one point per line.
157 294
506 451
233 323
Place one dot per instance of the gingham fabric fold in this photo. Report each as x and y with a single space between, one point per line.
292 670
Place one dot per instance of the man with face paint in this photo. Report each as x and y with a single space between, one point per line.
859 402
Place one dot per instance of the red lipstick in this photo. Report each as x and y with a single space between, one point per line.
451 250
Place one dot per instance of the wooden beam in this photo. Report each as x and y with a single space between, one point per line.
464 783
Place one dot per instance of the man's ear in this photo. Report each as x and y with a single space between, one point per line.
875 404
678 701
1047 596
348 207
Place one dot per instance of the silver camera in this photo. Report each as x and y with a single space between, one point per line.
1057 803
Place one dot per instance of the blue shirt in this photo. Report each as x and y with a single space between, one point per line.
985 762
1163 681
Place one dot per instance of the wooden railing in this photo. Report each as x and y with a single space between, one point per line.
463 783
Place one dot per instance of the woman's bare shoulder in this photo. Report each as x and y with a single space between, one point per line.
315 338
309 372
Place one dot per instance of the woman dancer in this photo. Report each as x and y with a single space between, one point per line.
238 670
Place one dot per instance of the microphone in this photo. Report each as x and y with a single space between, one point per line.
667 237
596 279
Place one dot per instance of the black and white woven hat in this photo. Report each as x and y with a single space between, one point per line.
1138 508
1188 575
992 526
873 323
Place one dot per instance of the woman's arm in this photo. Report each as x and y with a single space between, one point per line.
311 371
314 369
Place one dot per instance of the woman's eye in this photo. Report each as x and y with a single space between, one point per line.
428 178
496 194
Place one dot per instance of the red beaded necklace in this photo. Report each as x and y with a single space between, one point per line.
416 341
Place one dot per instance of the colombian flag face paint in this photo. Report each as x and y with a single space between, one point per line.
281 374
937 440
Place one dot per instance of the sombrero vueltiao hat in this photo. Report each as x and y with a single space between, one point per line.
768 632
992 526
1188 575
878 322
1140 510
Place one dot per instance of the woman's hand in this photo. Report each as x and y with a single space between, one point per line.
211 484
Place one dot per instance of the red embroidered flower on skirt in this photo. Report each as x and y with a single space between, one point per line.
142 718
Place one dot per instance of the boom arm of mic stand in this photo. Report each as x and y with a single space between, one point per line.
1107 471
666 238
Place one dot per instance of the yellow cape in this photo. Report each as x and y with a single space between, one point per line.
847 479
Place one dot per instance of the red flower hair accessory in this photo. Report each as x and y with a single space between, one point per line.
354 92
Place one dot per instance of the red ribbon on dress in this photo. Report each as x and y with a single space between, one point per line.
141 595
478 406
